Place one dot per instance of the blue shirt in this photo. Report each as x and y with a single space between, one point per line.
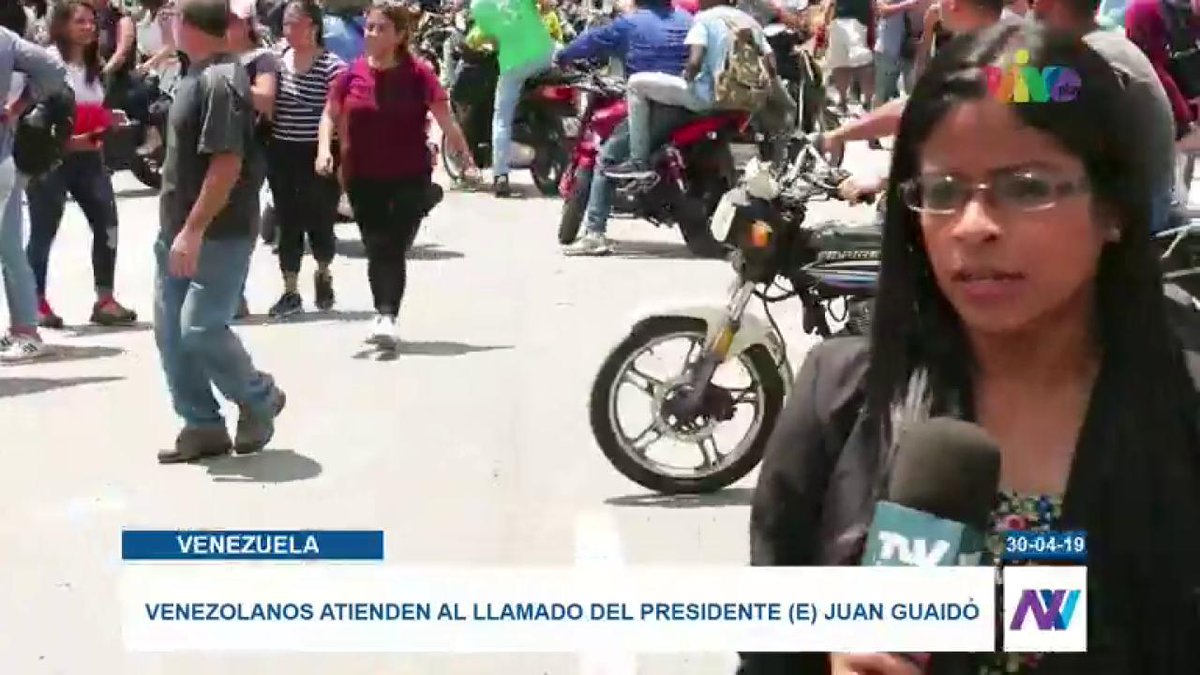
712 31
648 41
344 35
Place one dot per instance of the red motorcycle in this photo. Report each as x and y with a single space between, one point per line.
692 169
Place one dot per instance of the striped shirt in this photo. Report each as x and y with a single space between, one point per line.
300 97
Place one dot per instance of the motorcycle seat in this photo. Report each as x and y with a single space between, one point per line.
552 77
702 125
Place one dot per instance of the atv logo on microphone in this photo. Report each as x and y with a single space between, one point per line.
1045 609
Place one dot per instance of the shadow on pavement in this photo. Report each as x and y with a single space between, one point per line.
24 386
60 353
268 466
431 348
662 250
727 497
353 248
89 330
305 317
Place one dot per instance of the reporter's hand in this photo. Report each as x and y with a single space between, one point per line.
871 664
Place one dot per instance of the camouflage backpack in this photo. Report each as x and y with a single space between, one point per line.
743 83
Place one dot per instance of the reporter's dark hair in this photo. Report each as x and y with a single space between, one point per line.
1133 485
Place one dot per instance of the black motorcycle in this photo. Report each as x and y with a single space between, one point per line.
124 144
541 138
831 268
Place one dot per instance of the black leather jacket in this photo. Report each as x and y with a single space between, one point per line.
819 482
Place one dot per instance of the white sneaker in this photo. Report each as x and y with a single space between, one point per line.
591 244
379 330
23 349
391 337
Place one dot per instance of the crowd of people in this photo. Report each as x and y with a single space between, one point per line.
1018 288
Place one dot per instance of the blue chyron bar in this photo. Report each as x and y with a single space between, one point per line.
196 545
1051 545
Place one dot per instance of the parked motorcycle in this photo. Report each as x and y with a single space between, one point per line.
830 267
432 35
542 129
692 169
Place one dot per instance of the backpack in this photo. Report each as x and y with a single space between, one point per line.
42 132
744 81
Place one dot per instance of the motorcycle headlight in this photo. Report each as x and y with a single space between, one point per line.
760 234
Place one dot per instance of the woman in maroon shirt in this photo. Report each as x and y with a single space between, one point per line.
379 108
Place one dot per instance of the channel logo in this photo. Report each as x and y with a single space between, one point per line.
1049 609
1045 609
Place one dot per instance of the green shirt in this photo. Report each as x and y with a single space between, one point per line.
516 26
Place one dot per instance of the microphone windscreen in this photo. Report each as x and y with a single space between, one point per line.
947 468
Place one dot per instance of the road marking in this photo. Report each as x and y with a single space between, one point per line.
598 545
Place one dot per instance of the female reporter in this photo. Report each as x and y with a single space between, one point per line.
1018 291
379 108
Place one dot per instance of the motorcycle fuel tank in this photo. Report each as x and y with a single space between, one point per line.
847 256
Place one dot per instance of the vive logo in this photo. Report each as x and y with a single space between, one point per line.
1021 82
917 552
1050 609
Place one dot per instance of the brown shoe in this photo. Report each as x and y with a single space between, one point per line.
197 443
256 428
109 312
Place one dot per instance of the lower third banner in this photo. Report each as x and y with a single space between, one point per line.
685 609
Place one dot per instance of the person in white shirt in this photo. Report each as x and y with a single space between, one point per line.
82 172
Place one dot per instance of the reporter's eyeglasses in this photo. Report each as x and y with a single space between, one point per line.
1028 189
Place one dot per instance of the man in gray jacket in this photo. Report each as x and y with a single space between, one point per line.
27 72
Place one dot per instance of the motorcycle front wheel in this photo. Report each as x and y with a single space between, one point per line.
574 207
701 433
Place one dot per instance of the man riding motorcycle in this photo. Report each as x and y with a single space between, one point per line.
524 49
649 39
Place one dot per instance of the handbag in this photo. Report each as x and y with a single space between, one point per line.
1183 52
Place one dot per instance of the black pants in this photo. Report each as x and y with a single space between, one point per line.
305 202
388 212
82 175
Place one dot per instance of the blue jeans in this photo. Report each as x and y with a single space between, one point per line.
19 288
191 328
614 151
663 89
84 176
508 95
889 72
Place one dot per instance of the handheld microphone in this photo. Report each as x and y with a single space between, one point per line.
941 493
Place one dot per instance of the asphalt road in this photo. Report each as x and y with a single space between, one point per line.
471 447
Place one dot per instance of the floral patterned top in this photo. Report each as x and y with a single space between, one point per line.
1017 512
